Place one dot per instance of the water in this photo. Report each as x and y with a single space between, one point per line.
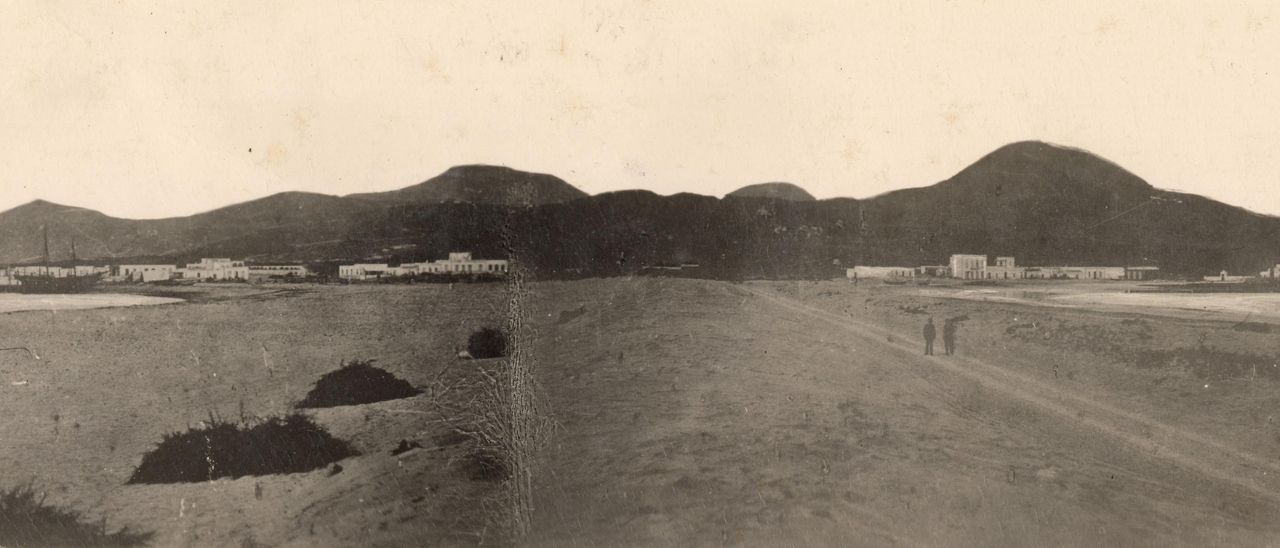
1234 306
16 302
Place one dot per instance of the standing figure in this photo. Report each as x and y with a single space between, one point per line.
929 333
949 336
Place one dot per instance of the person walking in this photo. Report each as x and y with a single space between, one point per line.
949 336
929 333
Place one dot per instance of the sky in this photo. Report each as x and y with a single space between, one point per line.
148 110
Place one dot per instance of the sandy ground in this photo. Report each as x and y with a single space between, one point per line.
1120 297
113 381
14 302
766 414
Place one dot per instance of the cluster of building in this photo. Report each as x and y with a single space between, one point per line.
978 267
459 263
217 269
1269 274
205 270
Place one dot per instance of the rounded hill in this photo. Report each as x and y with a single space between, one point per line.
484 184
777 191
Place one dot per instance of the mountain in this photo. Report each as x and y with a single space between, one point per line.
481 184
1041 203
777 191
1047 204
272 224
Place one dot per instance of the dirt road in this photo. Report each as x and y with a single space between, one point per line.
700 413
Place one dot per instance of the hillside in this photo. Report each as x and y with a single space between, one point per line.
777 191
1047 204
480 184
1041 203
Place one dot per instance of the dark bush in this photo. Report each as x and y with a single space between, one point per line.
356 383
28 521
487 343
222 449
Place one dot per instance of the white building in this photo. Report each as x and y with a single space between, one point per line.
871 272
145 272
261 271
1141 272
362 271
215 269
968 267
457 263
463 263
974 267
1226 277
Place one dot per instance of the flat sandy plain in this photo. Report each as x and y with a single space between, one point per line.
691 413
113 381
799 414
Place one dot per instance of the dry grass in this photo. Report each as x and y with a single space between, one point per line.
220 448
26 520
356 382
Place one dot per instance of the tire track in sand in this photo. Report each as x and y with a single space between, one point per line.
1210 457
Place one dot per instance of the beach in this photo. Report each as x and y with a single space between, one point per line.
17 302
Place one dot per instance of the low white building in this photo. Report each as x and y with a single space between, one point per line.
464 263
261 271
1006 268
1141 272
215 269
457 263
1225 277
362 271
145 272
875 272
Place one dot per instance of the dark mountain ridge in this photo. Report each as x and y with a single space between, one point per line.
1041 203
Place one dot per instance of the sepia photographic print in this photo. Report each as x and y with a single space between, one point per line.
640 273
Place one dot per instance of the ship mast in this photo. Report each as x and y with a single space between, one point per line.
45 228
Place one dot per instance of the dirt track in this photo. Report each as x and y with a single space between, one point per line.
1188 449
711 414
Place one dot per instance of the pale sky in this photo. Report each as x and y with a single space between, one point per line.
147 110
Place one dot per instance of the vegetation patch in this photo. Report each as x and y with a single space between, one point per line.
1207 362
25 520
355 383
223 449
1116 340
487 343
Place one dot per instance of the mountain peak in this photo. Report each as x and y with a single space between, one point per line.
777 191
45 207
1037 164
483 184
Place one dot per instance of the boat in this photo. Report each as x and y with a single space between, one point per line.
47 282
895 282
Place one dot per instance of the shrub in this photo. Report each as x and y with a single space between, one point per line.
28 521
220 449
487 343
355 383
1206 362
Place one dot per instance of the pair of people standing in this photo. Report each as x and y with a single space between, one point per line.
948 337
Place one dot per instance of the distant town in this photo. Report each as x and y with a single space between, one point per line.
979 267
228 270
